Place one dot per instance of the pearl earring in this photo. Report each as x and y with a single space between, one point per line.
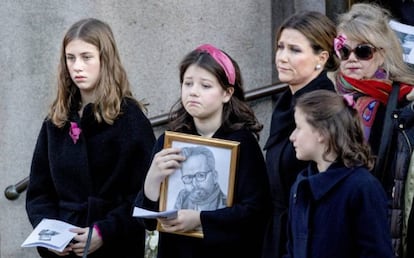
318 67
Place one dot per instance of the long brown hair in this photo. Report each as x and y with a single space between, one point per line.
331 115
112 85
318 29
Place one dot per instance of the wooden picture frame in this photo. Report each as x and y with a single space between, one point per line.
175 194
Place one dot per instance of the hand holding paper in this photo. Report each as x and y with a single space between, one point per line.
50 233
147 214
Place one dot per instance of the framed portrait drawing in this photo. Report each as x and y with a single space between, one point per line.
205 180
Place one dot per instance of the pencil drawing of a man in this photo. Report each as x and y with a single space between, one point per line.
200 178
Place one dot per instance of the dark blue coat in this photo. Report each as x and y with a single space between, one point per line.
95 180
235 231
339 213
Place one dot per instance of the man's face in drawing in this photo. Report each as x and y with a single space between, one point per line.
197 177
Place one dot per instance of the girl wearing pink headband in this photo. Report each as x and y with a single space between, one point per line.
212 105
222 59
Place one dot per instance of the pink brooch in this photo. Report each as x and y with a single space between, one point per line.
349 100
74 132
339 43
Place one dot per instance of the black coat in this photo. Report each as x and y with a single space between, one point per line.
393 172
403 11
95 180
282 164
235 231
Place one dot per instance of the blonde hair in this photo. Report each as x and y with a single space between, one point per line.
112 85
369 23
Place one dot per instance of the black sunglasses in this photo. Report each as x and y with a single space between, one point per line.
362 52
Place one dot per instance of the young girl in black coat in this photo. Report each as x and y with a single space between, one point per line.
212 105
93 150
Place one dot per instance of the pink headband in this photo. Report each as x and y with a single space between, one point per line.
222 59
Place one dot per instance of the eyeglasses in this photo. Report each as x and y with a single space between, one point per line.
199 176
362 52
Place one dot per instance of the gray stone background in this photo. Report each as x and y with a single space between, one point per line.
152 38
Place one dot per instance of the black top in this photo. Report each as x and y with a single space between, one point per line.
95 180
235 231
282 164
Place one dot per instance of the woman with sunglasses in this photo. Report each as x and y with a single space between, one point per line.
371 61
304 54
